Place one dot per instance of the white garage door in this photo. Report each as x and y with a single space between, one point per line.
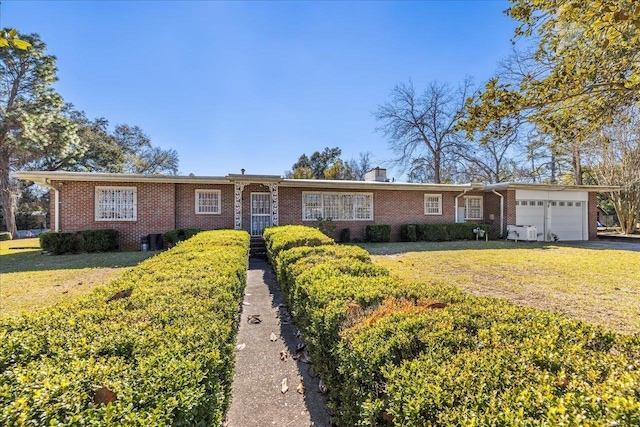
531 212
566 219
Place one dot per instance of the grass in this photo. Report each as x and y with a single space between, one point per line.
597 285
30 281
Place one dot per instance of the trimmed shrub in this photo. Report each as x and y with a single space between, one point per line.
98 240
408 354
409 233
279 239
5 235
166 350
345 235
378 233
59 243
435 233
441 232
179 234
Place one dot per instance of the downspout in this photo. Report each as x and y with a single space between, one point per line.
456 202
56 204
501 211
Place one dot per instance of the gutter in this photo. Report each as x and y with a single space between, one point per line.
501 211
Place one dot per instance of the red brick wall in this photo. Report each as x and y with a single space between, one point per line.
155 210
185 203
393 207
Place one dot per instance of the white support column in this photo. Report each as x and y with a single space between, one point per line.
237 223
273 188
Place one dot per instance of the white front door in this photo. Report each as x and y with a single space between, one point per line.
260 212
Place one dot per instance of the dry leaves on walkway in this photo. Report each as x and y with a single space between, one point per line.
284 387
254 319
273 337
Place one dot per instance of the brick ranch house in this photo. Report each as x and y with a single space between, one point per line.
137 205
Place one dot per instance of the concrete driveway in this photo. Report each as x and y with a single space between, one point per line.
605 244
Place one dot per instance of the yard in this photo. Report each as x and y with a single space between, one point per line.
30 281
597 285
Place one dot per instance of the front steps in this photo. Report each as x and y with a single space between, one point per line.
257 248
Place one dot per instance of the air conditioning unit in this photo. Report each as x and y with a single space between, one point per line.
528 233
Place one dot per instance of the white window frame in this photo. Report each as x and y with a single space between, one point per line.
356 205
426 208
207 191
98 207
467 209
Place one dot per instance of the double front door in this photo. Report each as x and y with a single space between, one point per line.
260 212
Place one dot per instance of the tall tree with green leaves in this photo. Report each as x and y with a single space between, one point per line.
588 58
32 125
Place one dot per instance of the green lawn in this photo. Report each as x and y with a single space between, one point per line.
596 285
30 281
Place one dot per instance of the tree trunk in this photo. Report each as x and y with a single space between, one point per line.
5 197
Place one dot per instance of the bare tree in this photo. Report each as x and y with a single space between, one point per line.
421 129
360 166
616 161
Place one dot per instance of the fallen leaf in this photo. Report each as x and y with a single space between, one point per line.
241 346
273 337
437 305
284 355
247 295
245 303
284 387
254 319
300 388
104 396
121 294
322 388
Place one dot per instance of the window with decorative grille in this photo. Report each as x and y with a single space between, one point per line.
337 206
433 204
116 204
473 205
207 202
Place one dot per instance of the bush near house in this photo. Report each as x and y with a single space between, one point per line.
58 243
440 232
179 234
160 339
377 233
5 235
428 354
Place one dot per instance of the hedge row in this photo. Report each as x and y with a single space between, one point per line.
428 354
440 232
161 338
101 240
5 235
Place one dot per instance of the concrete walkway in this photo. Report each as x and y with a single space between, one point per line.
257 393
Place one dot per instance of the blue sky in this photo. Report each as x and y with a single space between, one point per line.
253 85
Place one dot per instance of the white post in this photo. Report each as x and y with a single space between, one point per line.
56 203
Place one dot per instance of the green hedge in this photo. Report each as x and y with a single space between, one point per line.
179 234
59 243
281 238
377 233
428 354
98 240
5 235
440 232
166 351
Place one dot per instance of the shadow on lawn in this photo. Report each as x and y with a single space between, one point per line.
25 261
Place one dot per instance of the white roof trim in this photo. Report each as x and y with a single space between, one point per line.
45 178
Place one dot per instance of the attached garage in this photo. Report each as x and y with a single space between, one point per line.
560 215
